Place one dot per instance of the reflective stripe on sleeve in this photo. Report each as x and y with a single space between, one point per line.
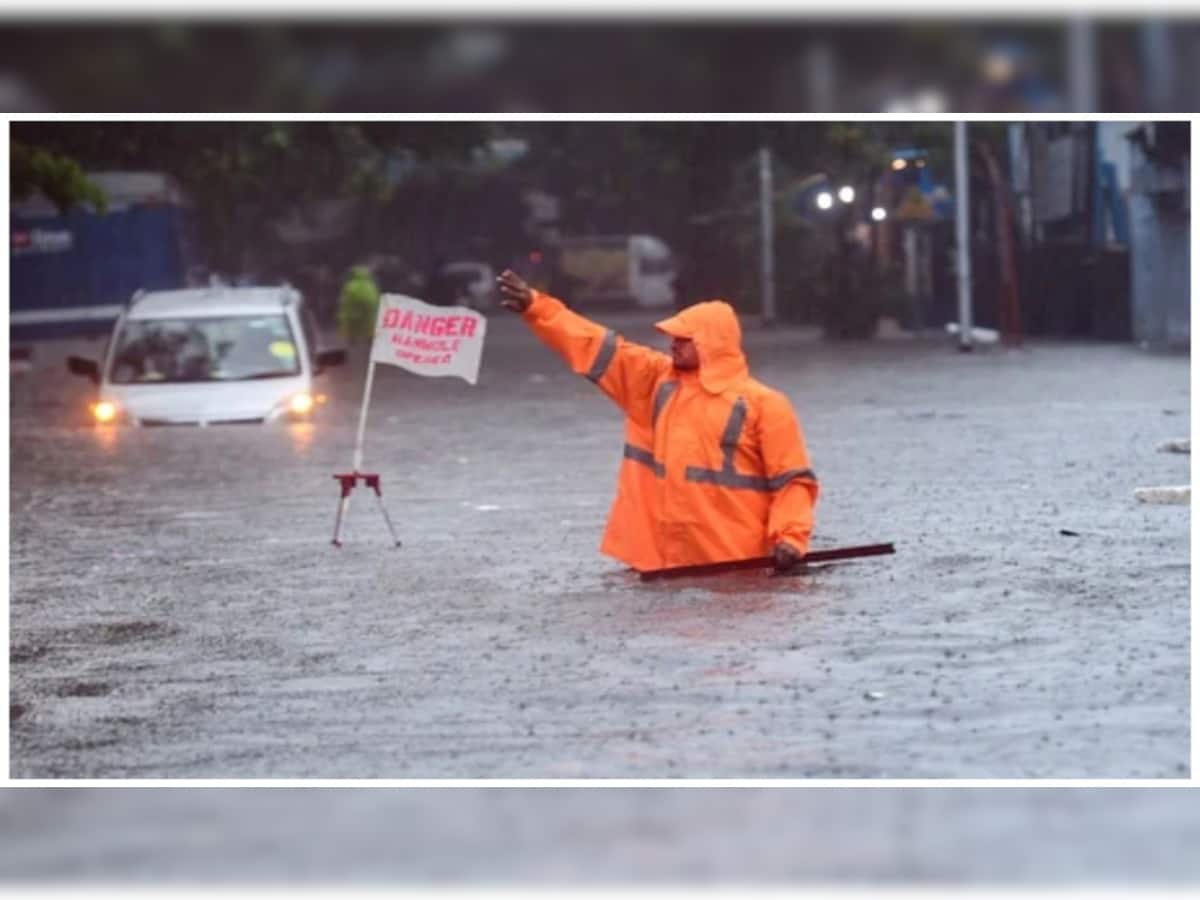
608 349
774 484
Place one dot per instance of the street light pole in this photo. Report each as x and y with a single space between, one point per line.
767 233
962 233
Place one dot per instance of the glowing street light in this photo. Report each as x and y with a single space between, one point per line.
899 164
846 194
824 200
879 214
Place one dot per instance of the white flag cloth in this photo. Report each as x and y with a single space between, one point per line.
428 340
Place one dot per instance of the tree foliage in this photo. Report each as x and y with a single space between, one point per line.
60 178
422 193
245 176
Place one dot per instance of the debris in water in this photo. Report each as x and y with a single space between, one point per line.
978 335
1179 495
1067 532
485 507
1180 446
84 689
874 695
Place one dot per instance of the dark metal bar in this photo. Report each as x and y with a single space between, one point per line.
767 562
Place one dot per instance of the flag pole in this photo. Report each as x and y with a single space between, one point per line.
362 416
394 316
349 480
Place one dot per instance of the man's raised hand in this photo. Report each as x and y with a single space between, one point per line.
514 292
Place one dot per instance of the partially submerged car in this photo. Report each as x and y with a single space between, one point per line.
208 356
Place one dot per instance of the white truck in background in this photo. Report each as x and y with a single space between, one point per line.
638 268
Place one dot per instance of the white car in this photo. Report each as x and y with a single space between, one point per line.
209 356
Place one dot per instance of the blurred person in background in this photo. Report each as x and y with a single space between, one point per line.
358 306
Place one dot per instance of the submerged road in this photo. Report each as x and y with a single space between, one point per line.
177 610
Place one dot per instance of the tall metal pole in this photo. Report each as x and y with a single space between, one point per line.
962 235
767 230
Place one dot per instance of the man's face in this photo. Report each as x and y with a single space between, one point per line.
683 353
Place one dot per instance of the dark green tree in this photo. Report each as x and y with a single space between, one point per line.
59 177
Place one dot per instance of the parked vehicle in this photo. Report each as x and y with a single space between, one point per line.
637 268
209 356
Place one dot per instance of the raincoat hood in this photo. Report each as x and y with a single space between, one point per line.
713 326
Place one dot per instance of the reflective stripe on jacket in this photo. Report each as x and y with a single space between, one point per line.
714 466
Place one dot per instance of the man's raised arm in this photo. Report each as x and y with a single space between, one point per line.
625 371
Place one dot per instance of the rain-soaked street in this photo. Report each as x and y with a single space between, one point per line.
177 610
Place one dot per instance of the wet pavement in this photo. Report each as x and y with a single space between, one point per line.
177 610
579 836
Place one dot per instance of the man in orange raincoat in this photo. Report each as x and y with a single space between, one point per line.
715 467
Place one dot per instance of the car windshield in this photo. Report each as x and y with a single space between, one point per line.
233 348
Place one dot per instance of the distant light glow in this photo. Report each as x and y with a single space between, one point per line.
999 68
104 411
846 194
824 200
899 164
879 214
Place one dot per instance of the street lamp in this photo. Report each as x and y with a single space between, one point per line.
824 200
879 214
846 194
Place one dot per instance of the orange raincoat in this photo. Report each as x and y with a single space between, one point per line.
715 466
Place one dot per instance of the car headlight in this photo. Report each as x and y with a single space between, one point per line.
105 412
297 407
300 404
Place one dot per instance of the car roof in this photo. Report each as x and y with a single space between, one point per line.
212 301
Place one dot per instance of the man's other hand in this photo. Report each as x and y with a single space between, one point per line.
514 292
786 557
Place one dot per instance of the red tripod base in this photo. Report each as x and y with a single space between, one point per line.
348 481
